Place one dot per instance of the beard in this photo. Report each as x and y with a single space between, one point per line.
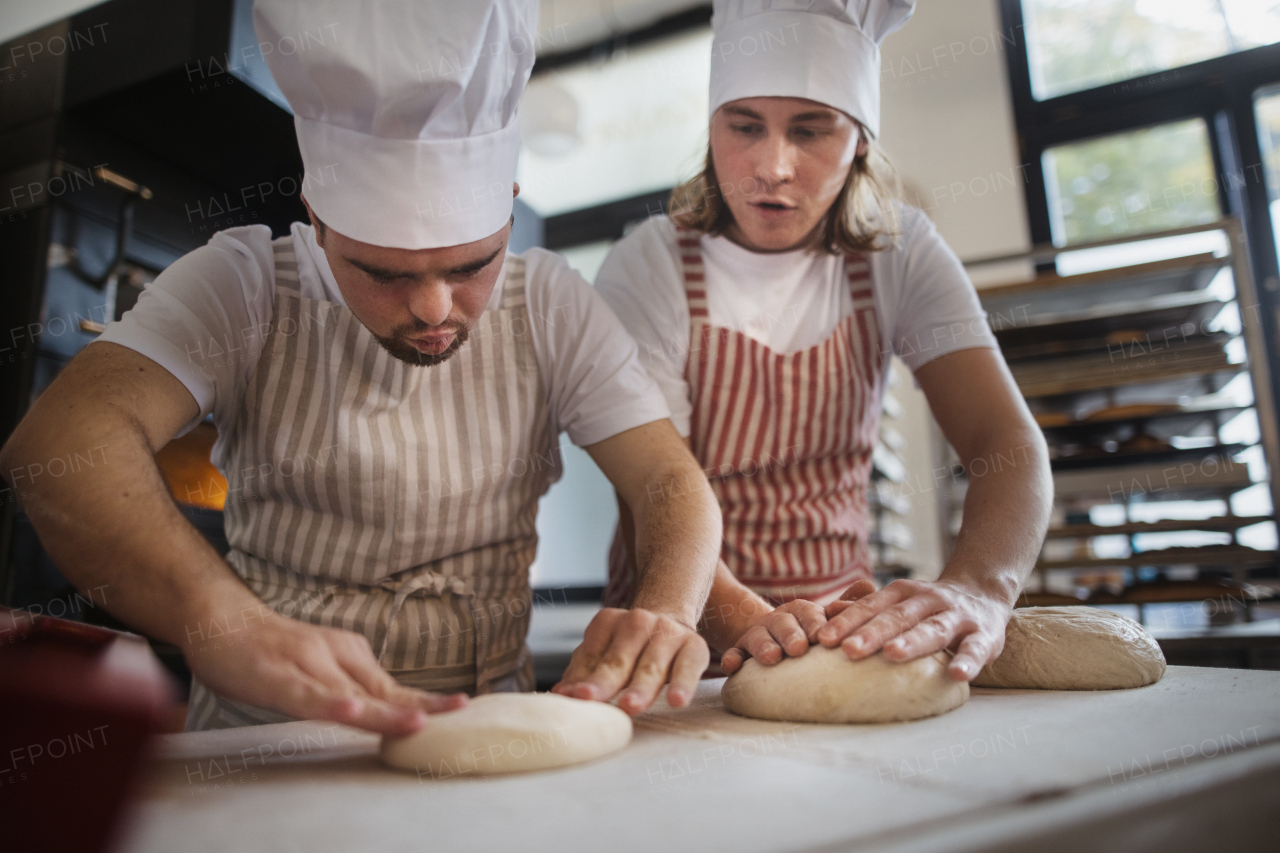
399 347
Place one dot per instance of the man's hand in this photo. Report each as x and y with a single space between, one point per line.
636 651
790 628
311 672
911 619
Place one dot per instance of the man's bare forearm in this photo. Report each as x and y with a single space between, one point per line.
114 527
677 546
730 608
1006 512
730 605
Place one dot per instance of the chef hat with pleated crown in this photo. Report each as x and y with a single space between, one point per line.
406 111
824 50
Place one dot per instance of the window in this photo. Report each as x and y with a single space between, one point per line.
1128 183
1081 44
642 126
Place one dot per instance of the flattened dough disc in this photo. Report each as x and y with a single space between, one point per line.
824 686
510 733
1074 648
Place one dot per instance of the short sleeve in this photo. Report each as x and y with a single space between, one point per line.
642 282
596 385
937 309
204 319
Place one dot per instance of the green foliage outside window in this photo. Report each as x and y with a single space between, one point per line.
1081 44
1131 183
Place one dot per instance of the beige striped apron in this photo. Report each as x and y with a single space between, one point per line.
785 440
392 500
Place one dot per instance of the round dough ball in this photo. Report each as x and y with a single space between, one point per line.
510 733
824 686
1074 648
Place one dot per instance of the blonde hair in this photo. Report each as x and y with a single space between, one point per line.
867 219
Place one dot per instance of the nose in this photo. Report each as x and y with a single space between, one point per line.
776 163
431 302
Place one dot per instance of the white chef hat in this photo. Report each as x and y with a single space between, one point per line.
405 111
824 50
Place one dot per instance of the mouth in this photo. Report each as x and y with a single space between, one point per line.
772 206
429 347
433 344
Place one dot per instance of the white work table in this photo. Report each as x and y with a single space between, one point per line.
1190 763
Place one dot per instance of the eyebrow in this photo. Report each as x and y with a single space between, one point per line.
812 115
393 275
815 115
743 111
475 265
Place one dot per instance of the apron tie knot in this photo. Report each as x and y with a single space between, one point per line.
425 582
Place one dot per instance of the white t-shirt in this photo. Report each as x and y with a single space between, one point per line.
925 304
213 301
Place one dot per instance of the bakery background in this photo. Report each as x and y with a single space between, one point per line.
1117 199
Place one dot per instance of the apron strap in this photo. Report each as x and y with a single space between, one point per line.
857 269
694 274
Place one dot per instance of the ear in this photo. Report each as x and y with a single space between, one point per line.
515 189
864 144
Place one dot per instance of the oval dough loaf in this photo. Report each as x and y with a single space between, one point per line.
824 686
510 733
1074 648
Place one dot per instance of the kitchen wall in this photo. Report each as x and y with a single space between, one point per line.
947 124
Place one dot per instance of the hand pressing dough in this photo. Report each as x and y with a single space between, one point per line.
510 733
1073 648
824 686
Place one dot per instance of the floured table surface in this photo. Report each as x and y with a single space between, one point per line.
1010 765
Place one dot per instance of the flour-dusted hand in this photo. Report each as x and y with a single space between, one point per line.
633 653
911 619
790 628
315 673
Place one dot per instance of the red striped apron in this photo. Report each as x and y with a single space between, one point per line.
786 443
